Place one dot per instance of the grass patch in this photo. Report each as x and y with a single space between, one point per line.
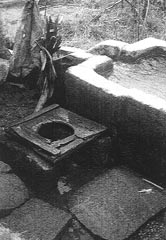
90 23
87 22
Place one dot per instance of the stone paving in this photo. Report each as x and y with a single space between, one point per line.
36 220
13 192
116 204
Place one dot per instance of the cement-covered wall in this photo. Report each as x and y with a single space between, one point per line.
139 117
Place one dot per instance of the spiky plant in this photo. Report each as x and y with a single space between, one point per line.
49 45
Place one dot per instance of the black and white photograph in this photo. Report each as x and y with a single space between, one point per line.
82 119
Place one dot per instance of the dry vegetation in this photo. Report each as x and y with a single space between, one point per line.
87 22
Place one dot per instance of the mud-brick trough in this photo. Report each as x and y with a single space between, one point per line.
123 86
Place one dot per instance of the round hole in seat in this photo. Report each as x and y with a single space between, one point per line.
55 131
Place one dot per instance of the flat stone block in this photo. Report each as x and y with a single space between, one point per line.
116 204
13 193
36 220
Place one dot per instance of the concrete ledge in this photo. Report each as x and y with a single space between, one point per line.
144 48
92 95
129 52
64 50
110 48
102 65
73 56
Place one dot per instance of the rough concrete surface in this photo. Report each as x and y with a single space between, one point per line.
13 193
154 229
129 52
36 220
133 99
116 204
147 76
100 64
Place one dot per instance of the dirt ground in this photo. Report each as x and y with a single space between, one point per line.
15 103
147 76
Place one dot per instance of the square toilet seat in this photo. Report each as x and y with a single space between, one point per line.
56 131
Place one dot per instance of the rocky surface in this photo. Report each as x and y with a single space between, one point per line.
13 193
154 229
116 204
36 220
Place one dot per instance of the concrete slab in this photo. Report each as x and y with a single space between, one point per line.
116 204
36 220
13 193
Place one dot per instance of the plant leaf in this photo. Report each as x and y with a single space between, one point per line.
43 60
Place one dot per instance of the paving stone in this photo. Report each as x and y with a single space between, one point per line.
4 168
36 219
116 204
13 193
